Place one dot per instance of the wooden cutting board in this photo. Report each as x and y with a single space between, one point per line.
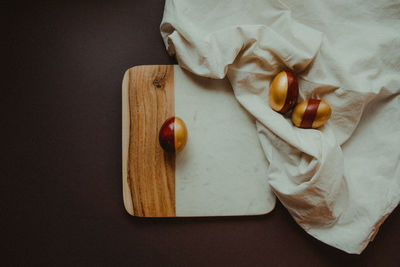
222 170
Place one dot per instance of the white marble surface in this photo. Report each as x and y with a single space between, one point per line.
222 170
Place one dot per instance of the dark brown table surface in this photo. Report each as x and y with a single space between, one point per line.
61 199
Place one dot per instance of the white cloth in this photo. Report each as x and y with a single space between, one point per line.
339 182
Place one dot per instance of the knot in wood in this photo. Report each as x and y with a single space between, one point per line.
157 84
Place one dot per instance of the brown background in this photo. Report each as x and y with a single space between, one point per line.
60 186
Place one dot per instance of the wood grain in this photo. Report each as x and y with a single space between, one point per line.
148 172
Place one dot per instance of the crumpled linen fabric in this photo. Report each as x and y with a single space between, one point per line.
341 181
